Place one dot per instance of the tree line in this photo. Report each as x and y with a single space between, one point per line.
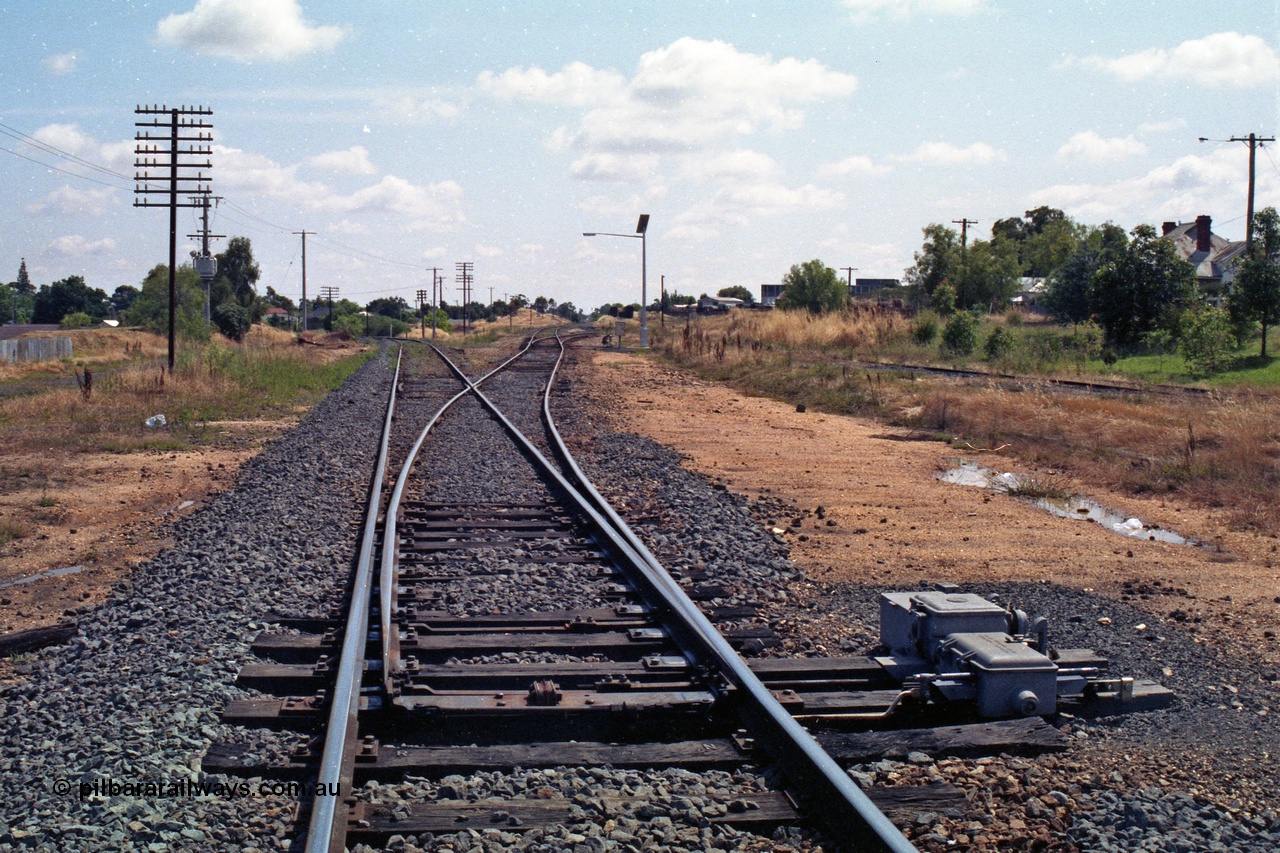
235 303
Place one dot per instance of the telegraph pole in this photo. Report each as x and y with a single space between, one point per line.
422 313
1253 141
169 155
465 277
304 234
328 293
435 279
964 230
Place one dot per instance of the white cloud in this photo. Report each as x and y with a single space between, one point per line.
433 206
578 84
70 201
71 139
620 168
864 11
246 30
1162 126
1088 145
76 246
688 95
1213 183
61 64
854 166
947 154
488 251
731 166
353 161
241 170
1221 59
735 205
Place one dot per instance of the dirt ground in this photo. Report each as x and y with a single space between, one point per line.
106 513
889 519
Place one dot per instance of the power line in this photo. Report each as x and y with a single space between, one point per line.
14 133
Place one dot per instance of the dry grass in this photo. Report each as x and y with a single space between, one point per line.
1221 451
268 375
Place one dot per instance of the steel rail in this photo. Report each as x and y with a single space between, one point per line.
845 809
344 705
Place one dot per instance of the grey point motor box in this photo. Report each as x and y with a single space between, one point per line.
918 622
1011 677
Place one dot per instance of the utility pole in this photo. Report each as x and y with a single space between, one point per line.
422 312
328 293
1253 140
662 301
435 279
206 264
169 156
964 230
304 234
464 277
850 271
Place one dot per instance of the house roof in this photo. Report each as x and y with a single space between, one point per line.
1213 265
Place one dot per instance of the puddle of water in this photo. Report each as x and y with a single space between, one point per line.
974 475
48 573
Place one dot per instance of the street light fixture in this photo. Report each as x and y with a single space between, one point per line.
641 227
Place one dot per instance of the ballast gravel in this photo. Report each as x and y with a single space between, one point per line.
1197 776
101 739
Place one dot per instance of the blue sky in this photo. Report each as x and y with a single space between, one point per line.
756 134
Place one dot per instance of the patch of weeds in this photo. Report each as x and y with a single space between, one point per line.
47 500
1036 490
11 530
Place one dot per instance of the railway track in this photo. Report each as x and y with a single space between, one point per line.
514 660
501 620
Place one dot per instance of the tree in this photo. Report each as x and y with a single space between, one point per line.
23 286
69 296
737 291
123 297
814 287
540 305
238 277
394 307
1069 294
1141 288
151 307
275 300
937 261
1255 290
987 276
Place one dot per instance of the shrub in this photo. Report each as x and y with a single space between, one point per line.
1206 338
943 299
926 329
78 320
998 344
960 335
233 320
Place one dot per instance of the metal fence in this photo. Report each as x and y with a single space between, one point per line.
35 349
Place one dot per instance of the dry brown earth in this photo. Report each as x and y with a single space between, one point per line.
896 523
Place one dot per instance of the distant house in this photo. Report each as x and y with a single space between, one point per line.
1031 289
769 294
1213 257
708 304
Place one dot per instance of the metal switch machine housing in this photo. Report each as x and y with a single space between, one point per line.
961 643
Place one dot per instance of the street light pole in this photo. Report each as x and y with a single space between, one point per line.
641 227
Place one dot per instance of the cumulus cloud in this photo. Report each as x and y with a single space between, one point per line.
420 207
947 154
856 166
72 140
1089 145
242 170
76 246
1213 183
353 161
246 30
865 11
1221 59
60 64
688 95
70 201
734 205
618 168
